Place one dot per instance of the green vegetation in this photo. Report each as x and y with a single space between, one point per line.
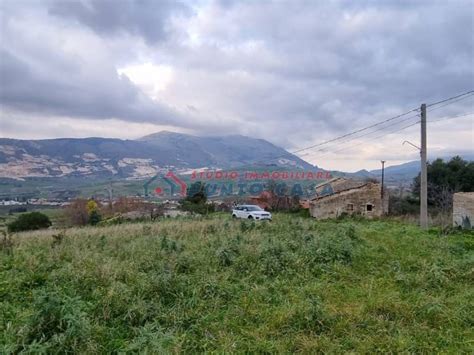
29 221
196 199
445 178
213 284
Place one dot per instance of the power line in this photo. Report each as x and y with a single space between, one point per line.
451 98
452 102
354 132
372 139
450 118
369 133
393 131
447 101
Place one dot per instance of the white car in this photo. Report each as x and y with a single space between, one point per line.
251 212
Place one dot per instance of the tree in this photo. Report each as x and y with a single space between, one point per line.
446 178
91 206
81 212
196 199
93 212
94 217
29 221
76 212
196 193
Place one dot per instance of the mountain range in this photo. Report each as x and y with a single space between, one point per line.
135 159
144 157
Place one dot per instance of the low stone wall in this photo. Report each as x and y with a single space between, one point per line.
463 209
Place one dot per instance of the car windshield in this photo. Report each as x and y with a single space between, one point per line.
254 208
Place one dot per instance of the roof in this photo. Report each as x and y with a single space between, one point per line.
336 185
329 181
318 198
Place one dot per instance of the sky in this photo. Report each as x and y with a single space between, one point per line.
295 73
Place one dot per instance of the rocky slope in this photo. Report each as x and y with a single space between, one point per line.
104 157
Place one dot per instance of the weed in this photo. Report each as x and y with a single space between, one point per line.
247 226
57 239
6 243
220 286
146 230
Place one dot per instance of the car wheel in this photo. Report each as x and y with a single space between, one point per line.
234 216
250 217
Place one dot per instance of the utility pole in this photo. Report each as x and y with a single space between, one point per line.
110 191
424 173
381 191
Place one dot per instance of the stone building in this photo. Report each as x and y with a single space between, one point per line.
348 196
463 209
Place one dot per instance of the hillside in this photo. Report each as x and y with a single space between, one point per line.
407 171
217 285
107 157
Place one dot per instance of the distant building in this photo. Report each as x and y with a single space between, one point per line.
463 209
344 196
264 200
11 203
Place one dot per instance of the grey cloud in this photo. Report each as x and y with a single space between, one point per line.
369 56
144 18
70 74
292 72
31 89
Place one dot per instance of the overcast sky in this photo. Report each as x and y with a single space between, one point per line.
292 72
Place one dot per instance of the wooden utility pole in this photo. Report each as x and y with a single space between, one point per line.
424 174
381 191
110 191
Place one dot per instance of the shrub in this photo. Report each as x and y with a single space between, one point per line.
196 193
76 212
199 208
226 255
329 249
310 317
94 217
17 210
29 221
403 205
59 323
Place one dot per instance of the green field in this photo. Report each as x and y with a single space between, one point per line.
218 285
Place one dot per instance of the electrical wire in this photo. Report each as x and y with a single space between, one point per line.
371 139
450 118
354 132
365 134
451 98
446 102
451 102
395 131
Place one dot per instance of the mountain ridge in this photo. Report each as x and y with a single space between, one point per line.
140 158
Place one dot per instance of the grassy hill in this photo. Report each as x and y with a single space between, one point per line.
214 284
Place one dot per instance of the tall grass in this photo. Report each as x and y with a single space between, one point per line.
213 284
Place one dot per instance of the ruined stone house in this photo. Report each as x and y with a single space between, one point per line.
463 209
348 196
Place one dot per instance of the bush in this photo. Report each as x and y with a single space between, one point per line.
94 217
331 248
403 205
17 210
76 212
199 208
29 221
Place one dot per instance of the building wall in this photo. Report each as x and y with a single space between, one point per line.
354 201
463 209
